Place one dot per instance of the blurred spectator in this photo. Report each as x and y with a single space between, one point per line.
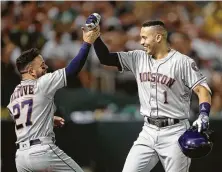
9 76
216 108
66 13
213 19
216 82
182 43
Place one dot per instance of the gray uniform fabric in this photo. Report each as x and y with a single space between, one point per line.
164 88
32 108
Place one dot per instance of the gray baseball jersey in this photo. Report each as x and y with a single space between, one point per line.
164 88
32 105
165 85
32 108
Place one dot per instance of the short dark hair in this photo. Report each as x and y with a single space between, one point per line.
25 58
154 23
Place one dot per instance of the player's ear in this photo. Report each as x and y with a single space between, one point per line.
31 70
158 38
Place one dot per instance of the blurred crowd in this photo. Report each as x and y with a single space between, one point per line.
195 29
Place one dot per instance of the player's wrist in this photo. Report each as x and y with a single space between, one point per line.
86 44
204 108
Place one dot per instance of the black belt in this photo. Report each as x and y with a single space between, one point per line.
31 142
162 122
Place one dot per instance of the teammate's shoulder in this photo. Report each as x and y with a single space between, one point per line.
15 89
44 79
47 76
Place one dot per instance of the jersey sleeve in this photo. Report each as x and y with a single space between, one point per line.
128 60
51 82
191 75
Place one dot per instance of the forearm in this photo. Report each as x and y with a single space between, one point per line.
77 63
105 57
204 99
203 95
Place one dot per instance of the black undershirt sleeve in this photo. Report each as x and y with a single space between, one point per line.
106 57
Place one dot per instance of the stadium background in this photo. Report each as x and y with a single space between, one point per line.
101 105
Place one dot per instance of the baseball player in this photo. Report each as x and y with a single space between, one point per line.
32 108
165 79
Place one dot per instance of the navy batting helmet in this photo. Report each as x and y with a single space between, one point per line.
196 144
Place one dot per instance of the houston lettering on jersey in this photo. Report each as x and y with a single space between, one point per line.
22 91
156 77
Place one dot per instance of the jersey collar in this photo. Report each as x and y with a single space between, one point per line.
169 55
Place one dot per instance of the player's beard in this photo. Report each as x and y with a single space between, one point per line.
44 72
39 74
152 49
148 50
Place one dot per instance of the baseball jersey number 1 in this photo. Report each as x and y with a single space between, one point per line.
17 107
165 97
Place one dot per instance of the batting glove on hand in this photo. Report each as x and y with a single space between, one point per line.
93 21
202 122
